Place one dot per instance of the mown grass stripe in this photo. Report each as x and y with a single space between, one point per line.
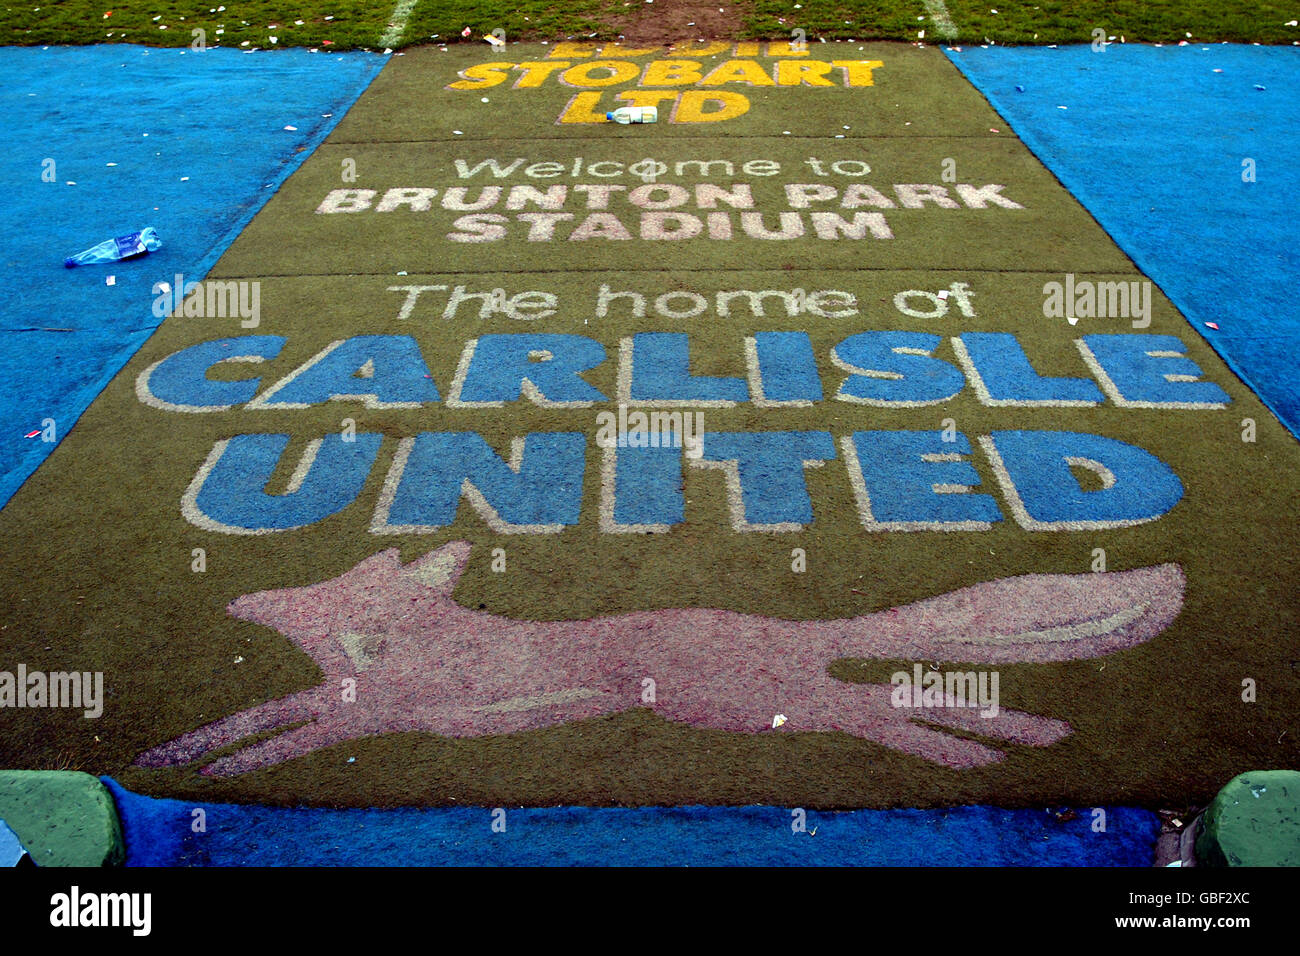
943 25
397 23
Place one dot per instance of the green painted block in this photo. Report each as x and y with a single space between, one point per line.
1254 821
63 818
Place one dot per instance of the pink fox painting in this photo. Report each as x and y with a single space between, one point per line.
422 662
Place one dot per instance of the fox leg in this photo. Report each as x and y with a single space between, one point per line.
1014 726
228 730
515 715
329 730
510 716
867 711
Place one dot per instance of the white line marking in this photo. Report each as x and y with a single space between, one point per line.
397 23
938 11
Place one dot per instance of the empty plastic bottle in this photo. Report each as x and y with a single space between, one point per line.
123 247
634 114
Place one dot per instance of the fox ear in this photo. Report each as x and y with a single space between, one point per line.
440 568
376 563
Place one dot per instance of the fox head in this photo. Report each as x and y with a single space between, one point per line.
344 623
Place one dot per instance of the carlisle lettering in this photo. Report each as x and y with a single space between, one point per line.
883 368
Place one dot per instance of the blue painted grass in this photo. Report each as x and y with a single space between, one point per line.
161 832
1154 144
199 143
